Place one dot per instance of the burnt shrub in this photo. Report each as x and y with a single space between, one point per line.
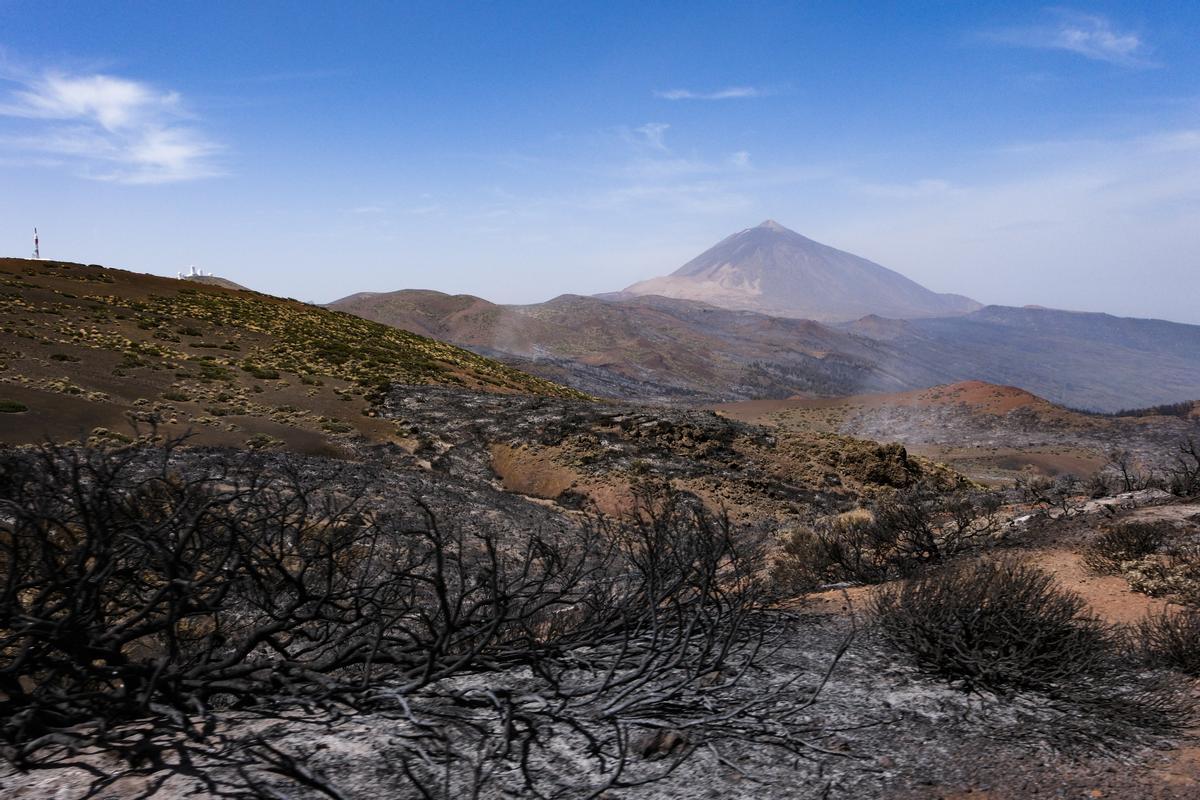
841 550
1183 477
993 624
1008 628
145 591
1121 544
896 536
1171 639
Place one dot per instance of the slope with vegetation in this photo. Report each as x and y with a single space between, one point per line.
84 347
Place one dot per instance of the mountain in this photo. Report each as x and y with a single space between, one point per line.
83 349
650 348
776 271
1084 360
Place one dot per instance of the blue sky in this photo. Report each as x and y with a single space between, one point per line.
1018 153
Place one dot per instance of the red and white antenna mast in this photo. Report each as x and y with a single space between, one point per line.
36 252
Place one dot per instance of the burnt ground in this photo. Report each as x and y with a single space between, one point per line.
595 452
881 730
877 728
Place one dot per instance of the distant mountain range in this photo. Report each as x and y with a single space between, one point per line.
738 323
650 348
1084 360
776 271
656 348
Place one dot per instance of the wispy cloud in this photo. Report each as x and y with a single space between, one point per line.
651 135
1089 35
730 93
109 128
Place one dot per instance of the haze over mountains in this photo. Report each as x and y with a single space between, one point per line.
1080 359
651 348
776 271
881 333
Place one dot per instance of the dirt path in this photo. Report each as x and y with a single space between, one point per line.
1108 595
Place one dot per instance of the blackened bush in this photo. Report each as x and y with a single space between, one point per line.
998 625
1184 475
1007 627
145 591
1171 639
843 550
1058 497
1132 541
898 535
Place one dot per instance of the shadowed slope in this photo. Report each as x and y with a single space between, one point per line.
1085 360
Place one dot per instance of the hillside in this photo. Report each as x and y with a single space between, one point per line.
776 271
1083 360
85 347
215 280
648 348
415 481
987 431
662 349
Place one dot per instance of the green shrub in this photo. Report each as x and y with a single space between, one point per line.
260 372
263 441
1173 574
12 407
836 551
63 357
210 371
